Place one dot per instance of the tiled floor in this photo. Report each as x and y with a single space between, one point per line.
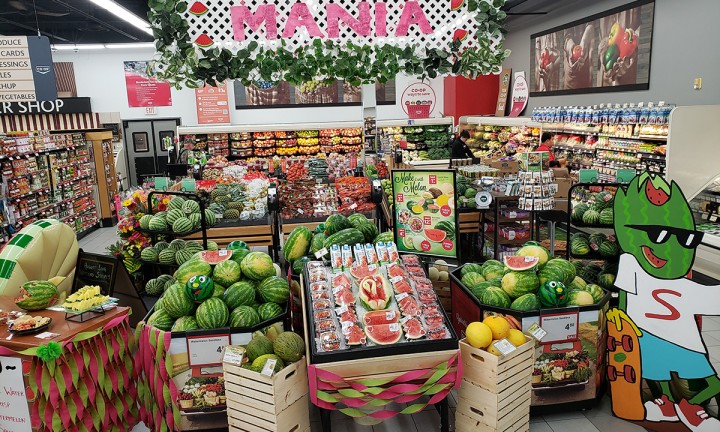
598 419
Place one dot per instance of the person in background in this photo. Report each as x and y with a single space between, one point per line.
460 150
554 164
546 144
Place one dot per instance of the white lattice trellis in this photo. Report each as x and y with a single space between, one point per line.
215 23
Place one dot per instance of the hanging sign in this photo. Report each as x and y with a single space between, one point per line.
520 94
418 100
143 91
212 104
503 92
424 212
26 69
14 411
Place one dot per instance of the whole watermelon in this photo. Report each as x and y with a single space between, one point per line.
336 223
297 243
317 243
606 280
227 272
185 323
289 346
192 268
517 284
471 268
365 226
237 244
579 298
36 295
579 246
471 280
274 289
591 217
269 310
564 266
357 218
595 291
525 303
244 316
578 211
149 254
239 254
492 271
212 313
154 287
176 301
239 294
608 249
161 320
384 237
257 266
607 217
495 296
348 236
577 283
299 264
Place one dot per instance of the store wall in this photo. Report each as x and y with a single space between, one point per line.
100 76
684 46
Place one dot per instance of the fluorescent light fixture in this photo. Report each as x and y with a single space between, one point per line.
130 45
73 47
124 14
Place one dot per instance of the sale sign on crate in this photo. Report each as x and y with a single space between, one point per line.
425 215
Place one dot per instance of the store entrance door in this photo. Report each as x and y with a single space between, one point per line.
145 148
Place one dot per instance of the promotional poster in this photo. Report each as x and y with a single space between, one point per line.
143 91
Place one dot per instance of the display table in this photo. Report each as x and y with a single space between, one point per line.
82 379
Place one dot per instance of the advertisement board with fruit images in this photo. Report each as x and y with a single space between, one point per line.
609 51
424 213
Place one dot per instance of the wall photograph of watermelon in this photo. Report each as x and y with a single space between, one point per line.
424 212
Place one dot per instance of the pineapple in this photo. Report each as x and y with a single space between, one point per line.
222 199
235 205
231 214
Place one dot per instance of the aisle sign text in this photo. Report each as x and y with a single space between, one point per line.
14 411
26 69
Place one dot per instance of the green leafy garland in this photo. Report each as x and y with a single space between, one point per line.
179 62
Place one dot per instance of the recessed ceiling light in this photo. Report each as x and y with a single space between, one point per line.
130 45
124 14
73 47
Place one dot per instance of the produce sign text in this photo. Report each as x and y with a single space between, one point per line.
318 40
425 216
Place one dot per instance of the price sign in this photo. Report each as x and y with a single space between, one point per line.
207 350
504 346
560 327
188 185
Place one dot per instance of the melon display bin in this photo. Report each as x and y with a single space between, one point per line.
167 369
570 366
366 356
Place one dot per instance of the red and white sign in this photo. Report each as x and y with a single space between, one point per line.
212 104
520 94
143 91
418 100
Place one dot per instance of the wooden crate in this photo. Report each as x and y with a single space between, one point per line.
258 403
495 392
253 235
469 222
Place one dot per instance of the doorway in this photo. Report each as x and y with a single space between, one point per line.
147 153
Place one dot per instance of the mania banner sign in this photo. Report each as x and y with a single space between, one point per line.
353 40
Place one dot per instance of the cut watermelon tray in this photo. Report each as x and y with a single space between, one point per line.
365 327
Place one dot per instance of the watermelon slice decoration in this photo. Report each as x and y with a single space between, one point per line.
413 329
363 270
384 334
456 4
435 235
521 263
215 257
374 292
198 8
204 41
460 34
381 317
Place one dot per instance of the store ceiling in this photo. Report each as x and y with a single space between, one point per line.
72 21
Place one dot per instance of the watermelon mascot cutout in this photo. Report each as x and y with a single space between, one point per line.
653 335
43 250
200 288
553 294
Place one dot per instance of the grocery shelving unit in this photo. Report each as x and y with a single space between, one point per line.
107 184
396 135
496 216
520 129
49 175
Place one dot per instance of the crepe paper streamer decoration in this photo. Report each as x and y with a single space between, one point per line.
47 241
376 392
50 352
241 16
412 14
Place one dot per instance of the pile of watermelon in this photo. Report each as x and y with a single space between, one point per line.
599 244
464 193
529 281
177 252
182 216
597 209
230 287
287 347
302 244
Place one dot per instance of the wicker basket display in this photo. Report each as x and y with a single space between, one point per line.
324 94
278 95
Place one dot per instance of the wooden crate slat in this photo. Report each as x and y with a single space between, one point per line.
249 396
268 394
488 370
520 409
294 419
398 364
480 396
245 373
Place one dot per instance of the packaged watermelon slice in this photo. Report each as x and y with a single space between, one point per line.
215 257
384 334
413 328
521 263
408 305
343 296
346 314
381 317
354 335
